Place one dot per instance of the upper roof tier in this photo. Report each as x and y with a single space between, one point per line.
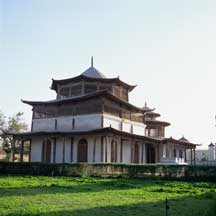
91 75
93 72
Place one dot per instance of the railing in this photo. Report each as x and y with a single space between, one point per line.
172 160
206 163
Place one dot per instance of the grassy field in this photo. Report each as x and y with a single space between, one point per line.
27 195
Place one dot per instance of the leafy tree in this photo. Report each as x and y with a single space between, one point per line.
14 124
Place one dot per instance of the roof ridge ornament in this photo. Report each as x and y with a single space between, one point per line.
92 61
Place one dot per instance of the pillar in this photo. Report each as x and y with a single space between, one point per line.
13 149
63 151
194 156
30 143
142 145
132 151
94 148
106 143
102 149
164 150
191 156
21 150
177 153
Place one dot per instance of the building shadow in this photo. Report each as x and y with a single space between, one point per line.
178 207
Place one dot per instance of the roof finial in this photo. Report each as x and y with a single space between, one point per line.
145 104
92 61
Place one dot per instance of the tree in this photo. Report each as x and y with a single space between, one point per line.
14 124
2 125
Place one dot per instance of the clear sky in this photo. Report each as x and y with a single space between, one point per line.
166 47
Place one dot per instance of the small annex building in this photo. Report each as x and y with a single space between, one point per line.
91 120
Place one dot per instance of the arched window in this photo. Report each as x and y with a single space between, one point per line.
82 151
46 151
114 151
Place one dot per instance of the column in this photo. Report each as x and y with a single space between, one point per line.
142 146
164 150
63 151
177 153
13 149
185 159
30 143
106 143
54 150
144 152
21 150
121 150
71 149
102 149
94 148
194 156
191 156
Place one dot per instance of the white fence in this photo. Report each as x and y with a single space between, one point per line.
206 163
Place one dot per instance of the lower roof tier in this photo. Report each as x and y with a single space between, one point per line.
104 132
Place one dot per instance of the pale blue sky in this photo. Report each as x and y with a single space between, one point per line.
166 47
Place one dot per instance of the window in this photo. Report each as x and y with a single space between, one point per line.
116 91
108 88
90 89
64 91
76 90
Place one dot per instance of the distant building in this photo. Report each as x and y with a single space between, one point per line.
206 154
92 120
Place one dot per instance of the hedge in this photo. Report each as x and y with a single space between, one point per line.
109 169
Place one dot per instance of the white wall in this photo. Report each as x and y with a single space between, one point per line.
126 149
112 121
126 152
115 122
82 122
36 149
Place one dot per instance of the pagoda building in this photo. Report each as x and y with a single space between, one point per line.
91 120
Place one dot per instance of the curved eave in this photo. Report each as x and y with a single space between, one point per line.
82 98
90 79
155 122
106 130
152 114
171 140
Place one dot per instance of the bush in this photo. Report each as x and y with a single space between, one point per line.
115 170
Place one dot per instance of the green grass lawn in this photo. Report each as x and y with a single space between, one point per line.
27 195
